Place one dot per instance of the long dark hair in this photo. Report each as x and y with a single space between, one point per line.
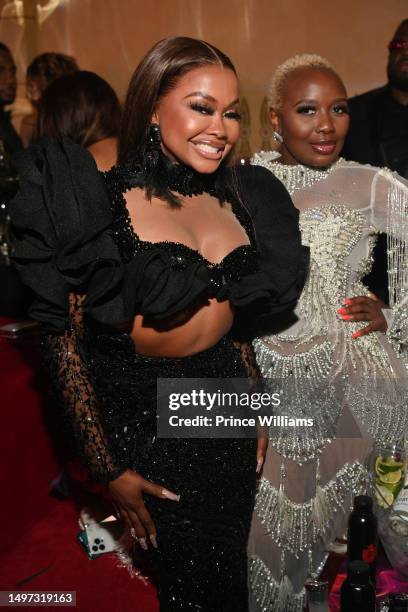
49 66
156 75
82 106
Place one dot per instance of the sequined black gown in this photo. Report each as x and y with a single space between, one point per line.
74 238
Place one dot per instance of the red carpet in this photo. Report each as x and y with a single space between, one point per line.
38 533
50 553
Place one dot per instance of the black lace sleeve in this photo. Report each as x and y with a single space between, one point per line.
72 386
248 359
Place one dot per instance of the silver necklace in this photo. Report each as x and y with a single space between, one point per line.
293 177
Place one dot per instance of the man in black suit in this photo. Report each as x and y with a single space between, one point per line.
8 88
378 134
13 296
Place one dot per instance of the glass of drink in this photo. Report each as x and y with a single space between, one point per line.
389 473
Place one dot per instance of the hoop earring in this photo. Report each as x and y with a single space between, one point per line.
278 137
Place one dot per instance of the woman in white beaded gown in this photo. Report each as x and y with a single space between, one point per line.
343 362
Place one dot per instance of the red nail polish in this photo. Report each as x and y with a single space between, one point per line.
346 317
347 301
356 334
342 311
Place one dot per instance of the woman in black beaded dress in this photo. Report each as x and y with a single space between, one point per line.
137 275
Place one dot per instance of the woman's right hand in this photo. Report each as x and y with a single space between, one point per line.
127 495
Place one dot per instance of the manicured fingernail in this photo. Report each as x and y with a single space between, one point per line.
169 495
153 541
356 334
346 317
133 533
259 465
342 311
347 301
143 543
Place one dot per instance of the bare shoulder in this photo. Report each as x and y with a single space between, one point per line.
105 153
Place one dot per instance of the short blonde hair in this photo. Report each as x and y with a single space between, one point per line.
303 60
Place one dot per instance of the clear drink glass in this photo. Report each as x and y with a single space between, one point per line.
389 469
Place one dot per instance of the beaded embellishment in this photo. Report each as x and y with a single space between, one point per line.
187 182
294 177
318 353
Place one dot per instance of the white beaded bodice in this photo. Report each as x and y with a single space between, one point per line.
341 211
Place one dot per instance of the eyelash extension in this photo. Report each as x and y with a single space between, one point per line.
202 108
303 109
234 115
207 110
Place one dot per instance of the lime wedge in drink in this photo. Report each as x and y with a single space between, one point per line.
384 465
391 477
385 498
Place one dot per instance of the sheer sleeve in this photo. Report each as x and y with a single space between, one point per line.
389 206
74 390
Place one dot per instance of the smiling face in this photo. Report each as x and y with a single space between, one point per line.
199 118
397 68
314 119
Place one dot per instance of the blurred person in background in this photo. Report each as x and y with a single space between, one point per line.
13 296
42 71
84 107
8 89
378 132
378 135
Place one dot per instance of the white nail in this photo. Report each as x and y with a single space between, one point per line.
169 495
153 541
259 465
143 543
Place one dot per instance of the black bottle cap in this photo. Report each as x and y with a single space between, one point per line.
363 502
358 572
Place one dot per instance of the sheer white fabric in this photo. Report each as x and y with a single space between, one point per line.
355 390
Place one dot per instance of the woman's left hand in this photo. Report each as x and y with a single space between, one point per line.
364 309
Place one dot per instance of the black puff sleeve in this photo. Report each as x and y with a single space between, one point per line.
60 220
283 259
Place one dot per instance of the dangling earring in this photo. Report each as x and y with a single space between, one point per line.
154 137
151 159
278 137
152 149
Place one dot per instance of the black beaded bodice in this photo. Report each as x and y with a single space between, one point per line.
241 261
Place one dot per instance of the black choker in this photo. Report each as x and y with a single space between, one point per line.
165 179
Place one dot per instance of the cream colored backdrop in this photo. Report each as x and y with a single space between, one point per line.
110 36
